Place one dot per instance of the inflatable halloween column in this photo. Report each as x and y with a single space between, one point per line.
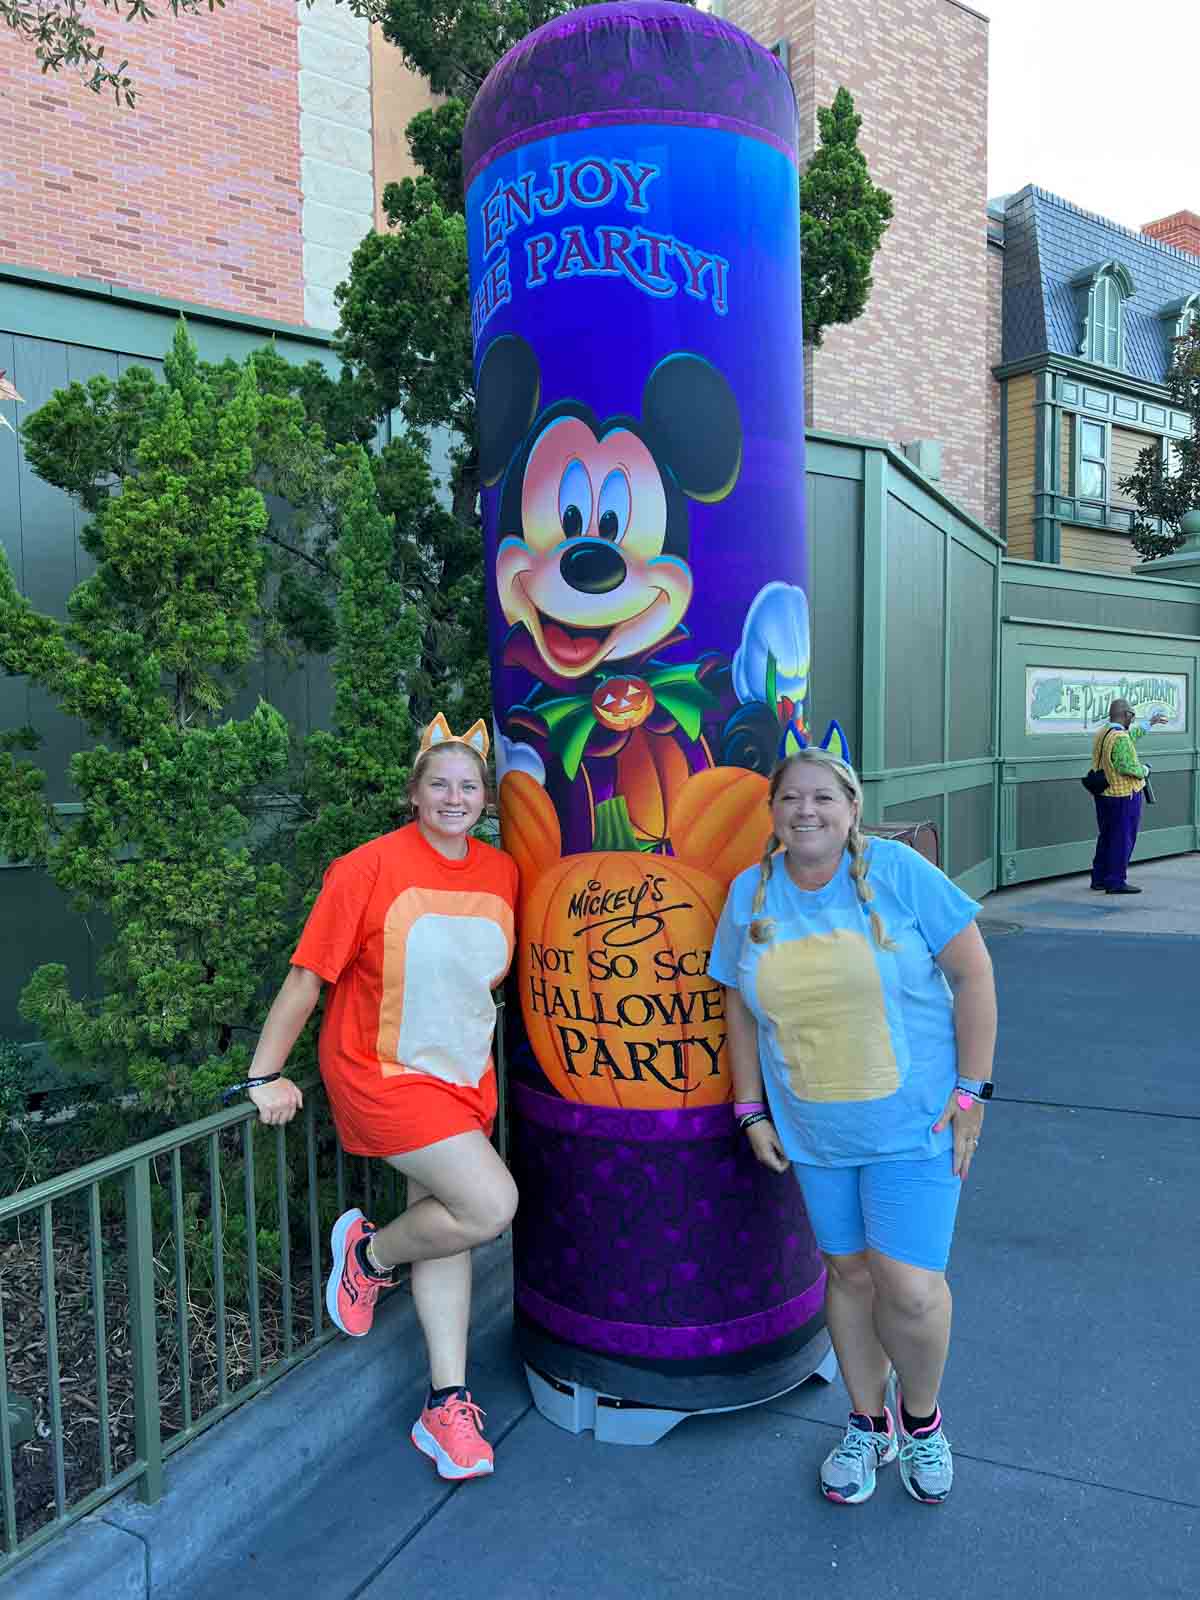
633 223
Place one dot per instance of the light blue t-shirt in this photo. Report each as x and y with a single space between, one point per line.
857 1043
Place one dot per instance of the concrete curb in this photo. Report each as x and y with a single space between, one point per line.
266 1450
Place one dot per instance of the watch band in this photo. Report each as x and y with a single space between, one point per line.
977 1088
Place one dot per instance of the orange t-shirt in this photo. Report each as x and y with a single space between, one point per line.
413 944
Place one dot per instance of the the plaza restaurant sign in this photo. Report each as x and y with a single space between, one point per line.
1073 700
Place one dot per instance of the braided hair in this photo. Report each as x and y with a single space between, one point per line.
762 929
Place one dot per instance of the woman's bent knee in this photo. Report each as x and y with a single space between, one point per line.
495 1210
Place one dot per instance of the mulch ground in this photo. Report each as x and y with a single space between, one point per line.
27 1352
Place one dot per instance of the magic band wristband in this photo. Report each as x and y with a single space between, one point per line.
250 1083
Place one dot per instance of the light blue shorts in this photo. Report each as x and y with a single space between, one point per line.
903 1209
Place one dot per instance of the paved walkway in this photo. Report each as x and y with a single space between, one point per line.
1077 1303
1068 1394
1169 902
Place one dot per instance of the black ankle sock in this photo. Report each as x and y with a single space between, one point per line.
877 1424
360 1251
438 1397
912 1424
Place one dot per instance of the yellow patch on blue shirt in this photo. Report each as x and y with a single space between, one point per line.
824 997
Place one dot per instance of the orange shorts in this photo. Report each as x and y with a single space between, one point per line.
377 1116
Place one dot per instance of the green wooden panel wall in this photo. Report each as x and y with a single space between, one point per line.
835 562
971 643
914 682
1047 819
1135 604
927 808
971 843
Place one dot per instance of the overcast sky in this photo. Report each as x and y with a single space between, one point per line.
1096 100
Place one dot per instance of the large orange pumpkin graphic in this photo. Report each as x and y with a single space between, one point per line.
613 945
612 963
720 817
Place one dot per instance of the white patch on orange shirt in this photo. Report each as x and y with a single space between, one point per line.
444 952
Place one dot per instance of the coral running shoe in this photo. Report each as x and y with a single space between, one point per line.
451 1435
351 1292
848 1471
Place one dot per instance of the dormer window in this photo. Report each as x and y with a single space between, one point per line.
1180 317
1101 293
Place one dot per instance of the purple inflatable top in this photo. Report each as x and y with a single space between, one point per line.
635 61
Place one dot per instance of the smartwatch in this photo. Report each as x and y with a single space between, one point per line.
974 1089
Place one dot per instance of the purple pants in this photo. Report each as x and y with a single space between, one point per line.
1117 822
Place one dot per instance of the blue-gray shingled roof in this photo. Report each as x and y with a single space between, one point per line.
1047 243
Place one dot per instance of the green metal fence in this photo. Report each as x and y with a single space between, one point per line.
151 1263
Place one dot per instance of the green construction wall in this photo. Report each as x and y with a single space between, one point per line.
906 593
1084 622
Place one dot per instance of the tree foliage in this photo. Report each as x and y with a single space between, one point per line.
1164 492
356 771
454 44
149 658
202 835
843 217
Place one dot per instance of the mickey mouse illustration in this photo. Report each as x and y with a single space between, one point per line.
593 577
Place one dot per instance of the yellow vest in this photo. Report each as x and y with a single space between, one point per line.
1119 783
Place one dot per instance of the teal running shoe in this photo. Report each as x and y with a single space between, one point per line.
926 1464
848 1471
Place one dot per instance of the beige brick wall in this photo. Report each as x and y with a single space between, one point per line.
992 464
916 364
397 95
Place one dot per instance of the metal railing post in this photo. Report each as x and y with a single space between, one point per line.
139 1236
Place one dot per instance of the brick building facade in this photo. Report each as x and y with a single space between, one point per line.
241 181
917 364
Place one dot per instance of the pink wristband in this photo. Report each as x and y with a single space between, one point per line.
744 1108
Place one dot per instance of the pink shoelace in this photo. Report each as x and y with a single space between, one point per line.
464 1419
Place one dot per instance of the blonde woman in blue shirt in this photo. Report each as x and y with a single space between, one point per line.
861 1001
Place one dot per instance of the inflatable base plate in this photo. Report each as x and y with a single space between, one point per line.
613 1420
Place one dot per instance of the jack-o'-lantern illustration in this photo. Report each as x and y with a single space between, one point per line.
614 944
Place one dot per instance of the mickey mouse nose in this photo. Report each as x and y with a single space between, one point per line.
592 566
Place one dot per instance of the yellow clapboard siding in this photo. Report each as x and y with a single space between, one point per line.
1097 550
1021 466
1125 448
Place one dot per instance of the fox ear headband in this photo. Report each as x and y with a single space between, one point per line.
438 733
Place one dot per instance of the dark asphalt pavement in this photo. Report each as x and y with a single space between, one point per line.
1067 1397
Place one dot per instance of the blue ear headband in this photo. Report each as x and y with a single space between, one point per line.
792 741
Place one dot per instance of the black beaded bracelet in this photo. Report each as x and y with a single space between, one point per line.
251 1083
749 1120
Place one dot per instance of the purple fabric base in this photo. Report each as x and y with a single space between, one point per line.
638 61
605 1122
639 1339
656 1234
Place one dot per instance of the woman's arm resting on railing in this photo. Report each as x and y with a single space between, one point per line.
293 1005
